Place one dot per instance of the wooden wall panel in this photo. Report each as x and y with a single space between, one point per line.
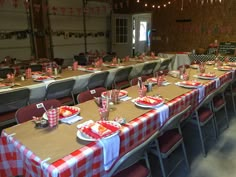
209 22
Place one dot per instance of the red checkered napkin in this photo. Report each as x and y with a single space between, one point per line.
148 100
191 83
108 129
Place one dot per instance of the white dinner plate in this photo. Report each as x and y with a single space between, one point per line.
188 86
206 78
68 117
6 86
194 66
224 69
85 137
39 79
123 93
149 106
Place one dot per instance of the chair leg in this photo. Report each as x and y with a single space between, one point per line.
233 101
202 140
185 155
147 163
226 117
160 159
214 128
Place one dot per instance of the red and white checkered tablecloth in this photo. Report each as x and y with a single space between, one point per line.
16 159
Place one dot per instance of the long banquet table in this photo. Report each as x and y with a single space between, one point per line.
58 152
38 89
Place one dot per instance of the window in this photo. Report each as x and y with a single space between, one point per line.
121 30
143 31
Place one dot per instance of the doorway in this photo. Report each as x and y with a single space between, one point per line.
141 33
131 34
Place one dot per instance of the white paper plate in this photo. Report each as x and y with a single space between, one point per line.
149 106
225 69
206 78
41 80
85 137
187 86
75 114
125 93
194 66
6 86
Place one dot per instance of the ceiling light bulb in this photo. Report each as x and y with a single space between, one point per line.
158 7
169 2
164 5
153 6
146 5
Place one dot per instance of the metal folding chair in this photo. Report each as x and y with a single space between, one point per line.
203 114
62 91
170 138
219 103
97 80
26 113
121 79
128 166
10 102
5 71
90 94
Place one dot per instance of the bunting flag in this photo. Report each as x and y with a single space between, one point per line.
15 3
79 11
2 2
54 10
71 11
63 10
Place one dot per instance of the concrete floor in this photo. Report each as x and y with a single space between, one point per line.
221 153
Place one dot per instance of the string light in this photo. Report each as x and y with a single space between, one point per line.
158 6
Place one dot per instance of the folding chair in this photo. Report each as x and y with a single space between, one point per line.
82 59
62 91
169 140
121 79
36 67
147 71
203 114
97 80
90 94
5 71
10 102
128 165
165 63
219 103
26 113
